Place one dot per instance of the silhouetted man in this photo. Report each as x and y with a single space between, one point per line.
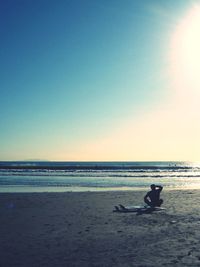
152 198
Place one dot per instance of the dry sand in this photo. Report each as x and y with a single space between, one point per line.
80 229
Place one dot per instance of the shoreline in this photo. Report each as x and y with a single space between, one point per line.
32 189
81 229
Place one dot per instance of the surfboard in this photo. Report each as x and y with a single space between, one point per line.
122 208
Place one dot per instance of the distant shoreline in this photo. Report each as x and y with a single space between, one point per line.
60 190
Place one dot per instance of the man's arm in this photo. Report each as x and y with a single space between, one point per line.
146 197
159 187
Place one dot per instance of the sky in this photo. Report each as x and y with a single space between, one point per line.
99 80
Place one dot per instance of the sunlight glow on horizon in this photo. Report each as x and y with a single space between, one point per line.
168 131
171 130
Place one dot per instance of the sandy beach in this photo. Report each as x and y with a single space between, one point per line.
81 229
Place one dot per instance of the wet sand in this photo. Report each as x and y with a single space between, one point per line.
80 229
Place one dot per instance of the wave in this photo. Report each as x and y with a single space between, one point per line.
98 174
99 166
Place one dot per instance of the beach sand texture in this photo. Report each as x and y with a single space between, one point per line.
80 229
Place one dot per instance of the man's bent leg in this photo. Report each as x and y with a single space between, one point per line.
160 202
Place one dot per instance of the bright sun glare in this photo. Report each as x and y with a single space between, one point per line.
185 52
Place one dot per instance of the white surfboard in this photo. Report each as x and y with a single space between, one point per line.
122 208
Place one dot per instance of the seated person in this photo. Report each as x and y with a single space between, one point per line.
152 198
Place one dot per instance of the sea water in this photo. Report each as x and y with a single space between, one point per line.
96 176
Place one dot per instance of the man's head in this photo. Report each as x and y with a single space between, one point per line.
153 187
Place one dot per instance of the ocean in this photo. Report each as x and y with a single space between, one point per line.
49 176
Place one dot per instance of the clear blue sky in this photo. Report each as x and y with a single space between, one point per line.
71 70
